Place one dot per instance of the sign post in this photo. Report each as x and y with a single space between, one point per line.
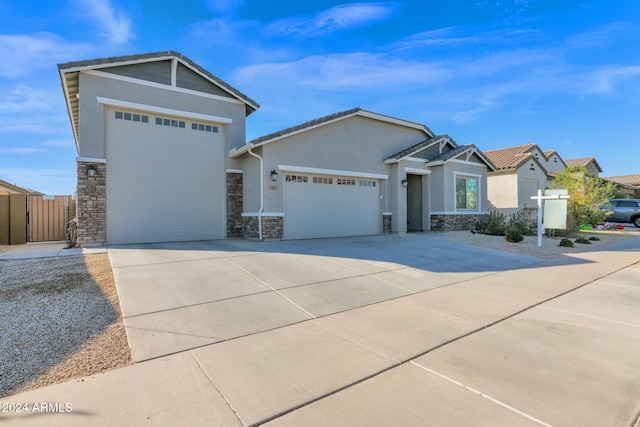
555 213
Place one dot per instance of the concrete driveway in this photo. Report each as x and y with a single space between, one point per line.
373 331
179 296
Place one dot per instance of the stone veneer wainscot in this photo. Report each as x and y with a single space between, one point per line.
272 227
453 222
234 204
92 204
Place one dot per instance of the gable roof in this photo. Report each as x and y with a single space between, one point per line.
511 157
69 76
633 180
583 162
469 150
322 121
16 189
408 152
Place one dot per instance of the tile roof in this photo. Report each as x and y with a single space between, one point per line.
511 157
633 180
582 162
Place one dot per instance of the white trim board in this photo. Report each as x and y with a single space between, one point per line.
321 171
417 171
160 110
235 171
161 86
91 160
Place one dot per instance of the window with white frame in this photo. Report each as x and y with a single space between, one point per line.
204 127
322 180
366 183
163 121
466 193
132 117
297 178
346 181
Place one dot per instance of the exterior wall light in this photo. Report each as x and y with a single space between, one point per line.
274 175
91 171
404 183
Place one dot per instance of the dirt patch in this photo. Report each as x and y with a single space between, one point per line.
62 320
7 248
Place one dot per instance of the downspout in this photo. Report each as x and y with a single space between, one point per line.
261 193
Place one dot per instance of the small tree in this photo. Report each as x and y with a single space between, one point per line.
588 194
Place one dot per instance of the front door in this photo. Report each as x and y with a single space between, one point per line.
414 203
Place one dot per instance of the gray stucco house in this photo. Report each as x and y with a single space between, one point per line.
162 156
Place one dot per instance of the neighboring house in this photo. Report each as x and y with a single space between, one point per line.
162 157
6 188
520 172
627 184
553 163
588 163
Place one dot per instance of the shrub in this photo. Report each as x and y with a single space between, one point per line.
566 243
583 241
492 223
514 234
594 238
524 221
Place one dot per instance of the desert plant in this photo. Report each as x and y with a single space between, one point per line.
524 221
514 234
583 241
588 193
492 223
566 243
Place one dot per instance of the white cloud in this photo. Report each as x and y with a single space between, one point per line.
115 26
20 150
606 79
66 143
339 18
46 180
343 71
24 98
26 53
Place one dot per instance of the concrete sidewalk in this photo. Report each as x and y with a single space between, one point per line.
47 249
551 343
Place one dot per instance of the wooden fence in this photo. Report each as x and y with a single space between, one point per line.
13 219
47 217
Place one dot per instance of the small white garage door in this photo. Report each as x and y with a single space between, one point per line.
165 178
330 206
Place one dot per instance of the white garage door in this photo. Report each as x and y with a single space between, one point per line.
165 179
330 206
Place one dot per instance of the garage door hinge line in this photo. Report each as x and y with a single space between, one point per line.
486 396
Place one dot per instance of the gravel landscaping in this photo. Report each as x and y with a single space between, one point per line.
550 246
61 320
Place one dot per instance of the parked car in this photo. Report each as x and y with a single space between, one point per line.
624 210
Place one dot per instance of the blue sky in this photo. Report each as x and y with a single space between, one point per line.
562 74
